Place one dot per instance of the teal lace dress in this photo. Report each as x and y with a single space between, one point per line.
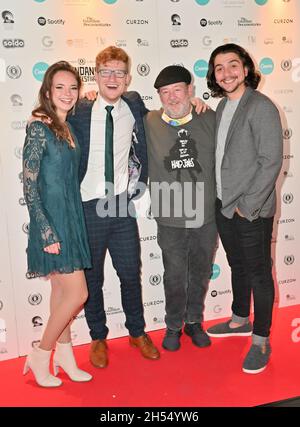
51 190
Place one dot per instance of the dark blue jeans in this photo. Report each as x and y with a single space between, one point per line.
248 250
118 235
187 257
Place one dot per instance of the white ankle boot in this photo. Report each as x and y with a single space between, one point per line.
38 361
64 358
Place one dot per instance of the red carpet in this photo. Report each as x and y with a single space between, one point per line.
191 377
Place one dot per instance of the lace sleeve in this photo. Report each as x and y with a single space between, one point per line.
33 152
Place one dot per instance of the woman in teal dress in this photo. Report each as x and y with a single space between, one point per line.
57 246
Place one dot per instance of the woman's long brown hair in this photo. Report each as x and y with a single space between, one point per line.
46 109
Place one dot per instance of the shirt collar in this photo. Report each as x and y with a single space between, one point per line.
101 104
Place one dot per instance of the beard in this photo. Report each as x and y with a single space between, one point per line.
178 111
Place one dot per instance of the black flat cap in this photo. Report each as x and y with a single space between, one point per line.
172 74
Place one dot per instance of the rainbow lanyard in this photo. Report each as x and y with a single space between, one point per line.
177 122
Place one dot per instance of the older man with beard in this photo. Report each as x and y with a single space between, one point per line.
180 146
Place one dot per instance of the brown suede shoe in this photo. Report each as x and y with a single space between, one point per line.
146 346
98 354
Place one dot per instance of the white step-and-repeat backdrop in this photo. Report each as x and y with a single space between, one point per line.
155 33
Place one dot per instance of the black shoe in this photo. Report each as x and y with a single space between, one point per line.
196 332
171 341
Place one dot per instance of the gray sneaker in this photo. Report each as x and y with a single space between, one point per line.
171 341
257 359
222 330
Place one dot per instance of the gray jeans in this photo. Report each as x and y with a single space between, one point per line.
187 257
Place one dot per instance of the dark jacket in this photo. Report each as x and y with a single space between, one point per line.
137 161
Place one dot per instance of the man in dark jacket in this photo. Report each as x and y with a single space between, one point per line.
113 163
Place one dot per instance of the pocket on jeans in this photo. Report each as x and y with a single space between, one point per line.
245 223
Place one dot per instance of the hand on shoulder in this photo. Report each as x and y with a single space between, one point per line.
200 106
91 95
39 118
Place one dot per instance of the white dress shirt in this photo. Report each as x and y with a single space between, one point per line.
93 184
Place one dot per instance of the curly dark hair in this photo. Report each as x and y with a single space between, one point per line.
46 109
252 79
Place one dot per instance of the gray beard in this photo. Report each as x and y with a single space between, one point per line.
184 111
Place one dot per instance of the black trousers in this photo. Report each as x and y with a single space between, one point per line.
248 250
